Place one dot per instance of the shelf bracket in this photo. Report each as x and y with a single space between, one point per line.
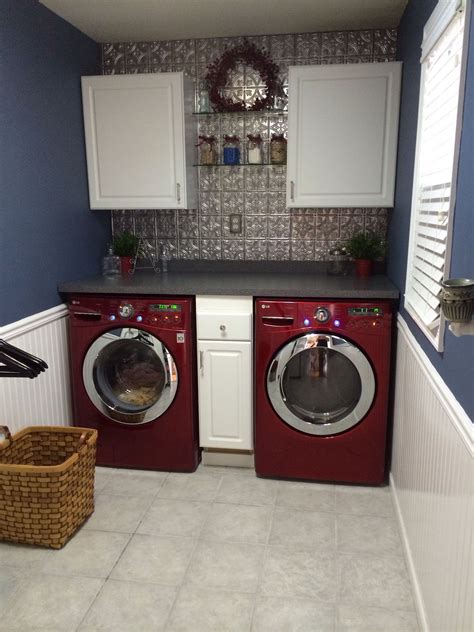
462 329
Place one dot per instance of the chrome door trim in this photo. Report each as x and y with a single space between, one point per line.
169 365
277 370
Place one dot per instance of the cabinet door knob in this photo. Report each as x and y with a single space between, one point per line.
178 192
292 191
222 327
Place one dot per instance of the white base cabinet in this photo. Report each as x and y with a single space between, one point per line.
225 407
140 141
224 330
342 134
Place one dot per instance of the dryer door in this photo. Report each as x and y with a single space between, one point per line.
320 384
130 376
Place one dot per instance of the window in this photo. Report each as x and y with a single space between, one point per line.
439 116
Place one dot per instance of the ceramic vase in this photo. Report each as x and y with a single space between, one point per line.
126 265
457 299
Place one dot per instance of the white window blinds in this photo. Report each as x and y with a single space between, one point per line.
433 194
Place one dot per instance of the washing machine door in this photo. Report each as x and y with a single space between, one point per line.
130 376
320 384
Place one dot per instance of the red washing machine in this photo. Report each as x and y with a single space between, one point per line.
322 381
133 379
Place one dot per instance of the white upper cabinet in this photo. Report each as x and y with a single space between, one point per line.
342 134
139 141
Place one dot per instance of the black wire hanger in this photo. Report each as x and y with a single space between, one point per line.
15 362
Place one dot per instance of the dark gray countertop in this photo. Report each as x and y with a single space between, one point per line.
304 280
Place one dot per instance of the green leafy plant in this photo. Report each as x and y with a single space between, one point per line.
126 244
366 245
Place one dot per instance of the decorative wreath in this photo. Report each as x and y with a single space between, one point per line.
217 74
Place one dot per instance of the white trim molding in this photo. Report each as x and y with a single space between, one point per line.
461 421
432 483
35 321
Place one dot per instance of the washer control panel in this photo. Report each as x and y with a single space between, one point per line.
118 310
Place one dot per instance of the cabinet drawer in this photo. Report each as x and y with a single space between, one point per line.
224 326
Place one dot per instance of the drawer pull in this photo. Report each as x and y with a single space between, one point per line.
222 327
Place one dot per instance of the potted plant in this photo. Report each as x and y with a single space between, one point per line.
126 247
364 247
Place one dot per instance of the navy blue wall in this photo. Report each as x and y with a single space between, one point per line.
455 364
47 232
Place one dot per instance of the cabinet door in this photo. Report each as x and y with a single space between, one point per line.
134 127
225 395
342 134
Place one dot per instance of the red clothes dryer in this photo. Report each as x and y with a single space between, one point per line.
322 381
133 379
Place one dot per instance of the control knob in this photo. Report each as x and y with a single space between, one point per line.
322 315
126 310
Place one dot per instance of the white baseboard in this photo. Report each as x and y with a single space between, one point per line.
228 459
417 595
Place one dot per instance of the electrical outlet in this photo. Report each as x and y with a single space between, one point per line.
236 223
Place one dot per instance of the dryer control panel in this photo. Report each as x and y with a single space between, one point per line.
331 315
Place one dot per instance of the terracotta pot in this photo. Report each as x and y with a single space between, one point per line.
363 267
126 265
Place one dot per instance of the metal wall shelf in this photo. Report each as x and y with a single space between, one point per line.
244 113
244 164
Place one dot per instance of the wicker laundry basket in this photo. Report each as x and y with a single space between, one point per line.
46 483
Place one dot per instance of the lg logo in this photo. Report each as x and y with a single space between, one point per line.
265 306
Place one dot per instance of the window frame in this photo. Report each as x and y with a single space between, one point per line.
439 21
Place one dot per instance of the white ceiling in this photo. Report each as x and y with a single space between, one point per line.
148 20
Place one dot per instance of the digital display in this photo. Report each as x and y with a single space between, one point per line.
165 307
365 311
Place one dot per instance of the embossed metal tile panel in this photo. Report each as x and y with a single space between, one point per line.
269 230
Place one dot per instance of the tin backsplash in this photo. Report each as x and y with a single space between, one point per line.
270 231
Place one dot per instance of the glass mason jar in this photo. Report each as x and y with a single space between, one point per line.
338 263
231 153
254 149
207 150
278 149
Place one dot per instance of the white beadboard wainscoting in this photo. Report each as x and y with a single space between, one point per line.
44 400
432 482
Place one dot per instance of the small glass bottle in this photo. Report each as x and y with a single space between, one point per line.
110 263
231 150
204 105
207 150
254 149
163 259
278 149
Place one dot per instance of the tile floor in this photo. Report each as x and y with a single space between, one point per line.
218 550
